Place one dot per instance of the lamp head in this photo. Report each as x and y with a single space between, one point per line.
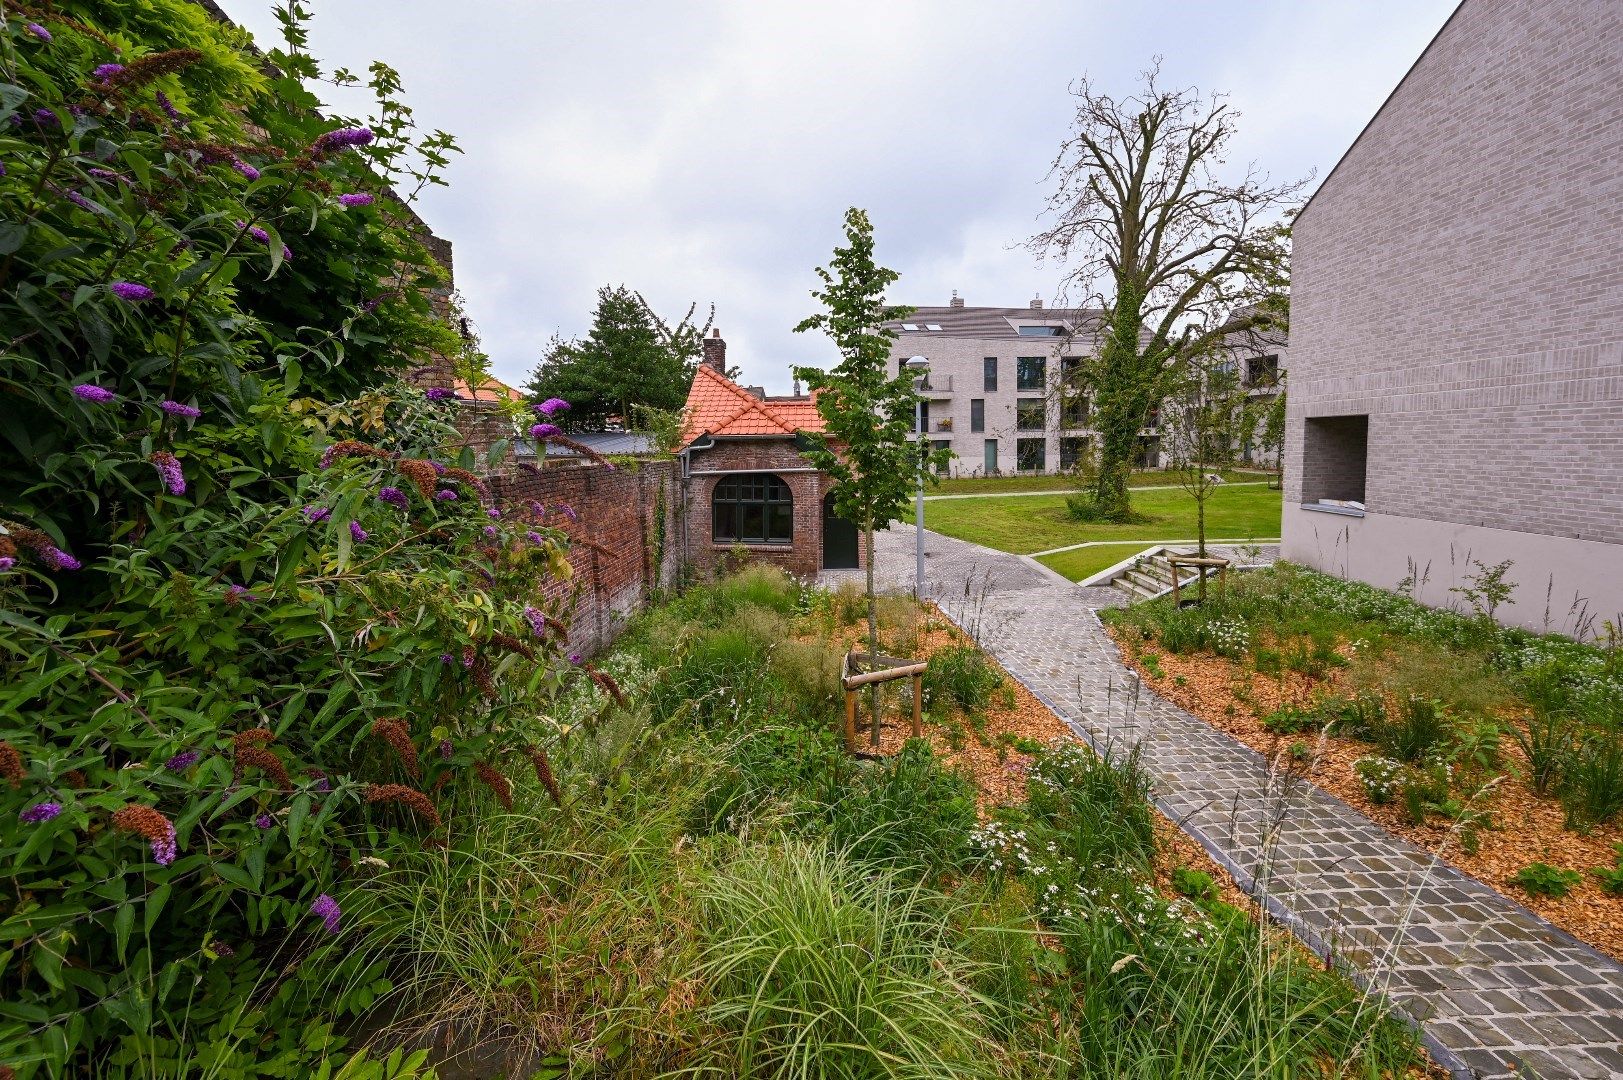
918 365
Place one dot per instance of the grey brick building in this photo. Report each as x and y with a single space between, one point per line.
1457 322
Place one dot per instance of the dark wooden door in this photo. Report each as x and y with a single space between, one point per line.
839 539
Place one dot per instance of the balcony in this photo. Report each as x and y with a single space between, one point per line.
937 386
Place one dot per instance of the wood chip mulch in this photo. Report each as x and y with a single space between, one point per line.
1527 827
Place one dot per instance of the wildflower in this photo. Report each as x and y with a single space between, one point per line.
237 594
157 830
313 514
265 821
106 71
438 393
7 562
107 176
38 31
543 773
169 471
568 512
339 140
494 513
322 783
496 782
11 764
393 496
395 734
445 496
545 431
446 658
254 231
445 749
534 537
344 448
552 406
75 198
169 108
39 812
355 198
57 559
46 118
326 909
131 291
175 408
245 169
182 761
287 253
91 392
574 658
420 473
537 621
357 533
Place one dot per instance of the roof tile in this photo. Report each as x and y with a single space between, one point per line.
718 406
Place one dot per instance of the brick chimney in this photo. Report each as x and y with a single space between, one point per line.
957 301
1036 303
715 353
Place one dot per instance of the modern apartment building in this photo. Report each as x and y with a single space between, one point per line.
997 393
1456 391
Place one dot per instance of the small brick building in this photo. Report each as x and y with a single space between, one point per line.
747 486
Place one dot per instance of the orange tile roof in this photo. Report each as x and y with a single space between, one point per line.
489 389
718 406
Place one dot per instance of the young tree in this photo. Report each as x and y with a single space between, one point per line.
1202 427
630 357
867 447
1272 436
1164 247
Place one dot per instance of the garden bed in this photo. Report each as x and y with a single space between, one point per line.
1319 666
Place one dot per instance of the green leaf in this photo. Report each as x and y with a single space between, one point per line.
12 234
154 905
123 923
295 819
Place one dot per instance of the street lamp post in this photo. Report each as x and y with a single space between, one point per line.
920 367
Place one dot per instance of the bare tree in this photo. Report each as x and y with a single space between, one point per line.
1203 419
1151 234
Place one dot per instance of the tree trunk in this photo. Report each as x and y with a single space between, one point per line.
873 634
1125 391
1200 520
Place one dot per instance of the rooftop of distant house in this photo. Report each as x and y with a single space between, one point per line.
491 389
719 407
957 319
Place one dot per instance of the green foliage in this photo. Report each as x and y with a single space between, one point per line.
1592 781
1542 879
1611 878
188 717
1195 884
960 675
1293 720
906 811
631 365
1421 727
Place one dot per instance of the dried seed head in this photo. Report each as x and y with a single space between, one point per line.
395 734
11 764
543 773
266 762
157 830
410 798
496 782
420 473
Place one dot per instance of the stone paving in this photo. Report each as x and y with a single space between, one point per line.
1499 991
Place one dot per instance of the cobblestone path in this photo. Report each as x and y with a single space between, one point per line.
1500 992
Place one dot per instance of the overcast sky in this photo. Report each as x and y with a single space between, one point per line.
705 151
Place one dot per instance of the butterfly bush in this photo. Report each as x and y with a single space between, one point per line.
187 684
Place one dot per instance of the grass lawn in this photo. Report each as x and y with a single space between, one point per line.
1036 523
973 485
1083 563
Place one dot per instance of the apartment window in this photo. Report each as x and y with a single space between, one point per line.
989 374
942 444
991 457
977 414
1031 455
1030 414
1031 373
922 413
1073 450
1262 371
1335 458
755 508
1074 410
1149 451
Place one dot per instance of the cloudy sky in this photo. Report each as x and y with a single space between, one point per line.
705 150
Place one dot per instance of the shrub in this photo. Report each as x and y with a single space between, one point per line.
1542 879
1195 884
1292 720
960 675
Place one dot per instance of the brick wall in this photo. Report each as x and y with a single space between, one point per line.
1335 458
804 556
618 559
1456 279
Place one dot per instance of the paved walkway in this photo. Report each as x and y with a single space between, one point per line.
1501 992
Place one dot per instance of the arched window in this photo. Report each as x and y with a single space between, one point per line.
755 508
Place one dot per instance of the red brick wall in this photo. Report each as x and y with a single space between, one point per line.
617 560
804 556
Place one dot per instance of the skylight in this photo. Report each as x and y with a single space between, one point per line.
1041 331
910 326
932 326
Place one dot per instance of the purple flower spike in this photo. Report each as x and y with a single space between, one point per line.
494 513
552 406
164 850
245 169
132 291
537 621
446 658
393 496
313 514
287 253
46 118
106 71
91 392
544 431
445 496
357 533
574 658
438 393
169 471
265 821
569 512
183 760
355 198
7 562
39 812
326 909
339 140
238 594
57 559
169 108
38 31
175 408
534 537
491 532
445 749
